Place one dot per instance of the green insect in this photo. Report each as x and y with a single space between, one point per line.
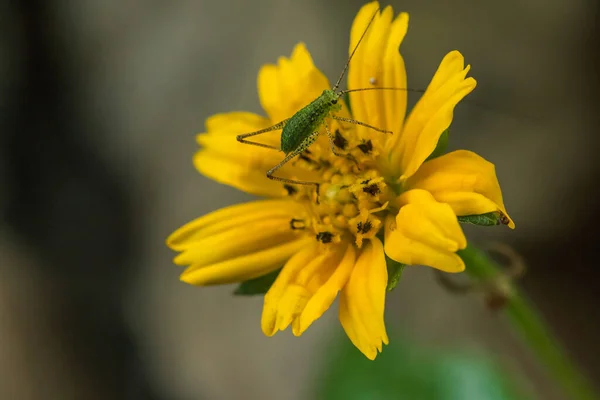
302 129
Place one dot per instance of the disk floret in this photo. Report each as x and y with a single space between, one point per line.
353 197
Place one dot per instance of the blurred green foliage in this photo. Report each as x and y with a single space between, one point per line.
407 371
257 286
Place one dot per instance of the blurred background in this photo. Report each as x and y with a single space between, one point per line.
99 105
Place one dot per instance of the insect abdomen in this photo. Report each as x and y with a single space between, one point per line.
304 123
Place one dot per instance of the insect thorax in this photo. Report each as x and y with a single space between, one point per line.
308 120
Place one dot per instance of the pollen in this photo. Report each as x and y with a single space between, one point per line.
372 189
366 147
339 141
364 228
291 190
325 237
297 224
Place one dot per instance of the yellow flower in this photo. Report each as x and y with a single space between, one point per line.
384 191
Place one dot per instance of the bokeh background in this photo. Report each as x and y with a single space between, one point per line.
99 104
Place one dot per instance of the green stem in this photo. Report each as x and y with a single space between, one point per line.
526 320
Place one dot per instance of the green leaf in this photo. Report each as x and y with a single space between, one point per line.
394 269
258 285
405 370
487 219
441 146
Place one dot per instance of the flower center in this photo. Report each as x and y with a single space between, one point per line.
353 195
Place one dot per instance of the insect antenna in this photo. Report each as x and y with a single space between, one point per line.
491 108
337 84
381 88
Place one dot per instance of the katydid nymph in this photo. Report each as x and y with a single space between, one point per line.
302 129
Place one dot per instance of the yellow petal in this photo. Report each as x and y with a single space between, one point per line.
326 294
226 144
295 286
394 75
464 180
236 122
425 232
290 305
378 63
366 67
431 115
362 301
237 241
293 83
236 174
222 129
244 267
310 254
229 217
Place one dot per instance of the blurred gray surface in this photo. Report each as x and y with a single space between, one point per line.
151 72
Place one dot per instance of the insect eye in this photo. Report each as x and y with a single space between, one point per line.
334 101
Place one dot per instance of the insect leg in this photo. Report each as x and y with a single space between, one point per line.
292 181
353 121
330 136
242 138
333 150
